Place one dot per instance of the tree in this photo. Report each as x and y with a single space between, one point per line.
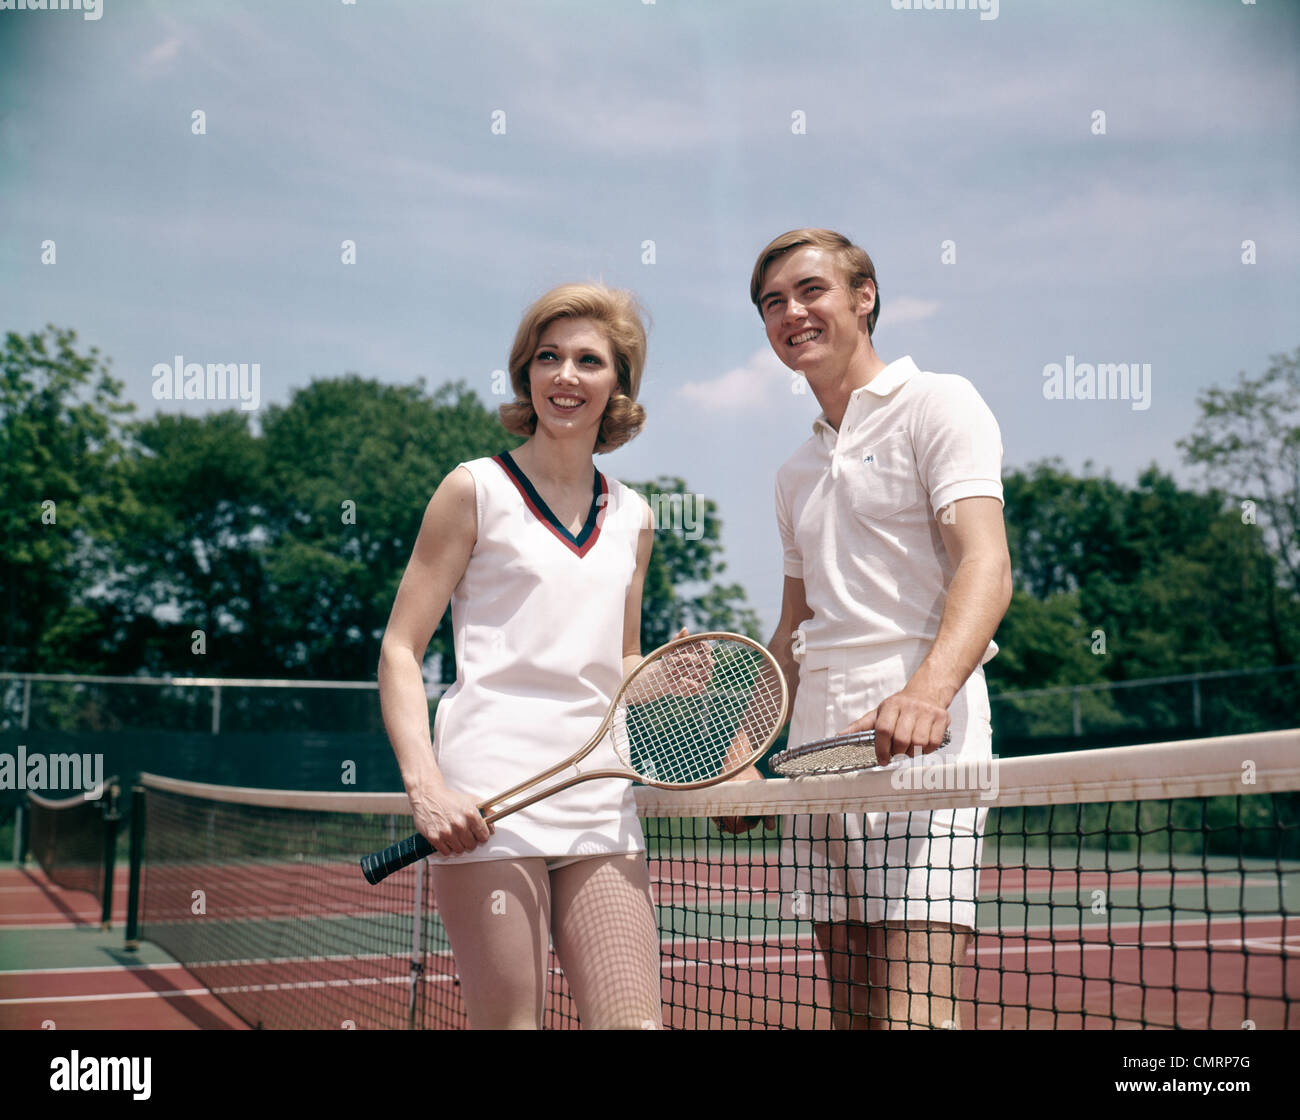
355 463
283 546
1170 578
680 584
62 474
1248 439
192 556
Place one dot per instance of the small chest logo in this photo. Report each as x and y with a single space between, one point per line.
868 458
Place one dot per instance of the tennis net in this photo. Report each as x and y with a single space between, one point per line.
1153 886
74 840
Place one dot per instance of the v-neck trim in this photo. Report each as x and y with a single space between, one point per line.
590 531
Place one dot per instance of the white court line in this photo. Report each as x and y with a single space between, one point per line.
196 964
162 967
1284 946
304 985
107 997
442 978
66 923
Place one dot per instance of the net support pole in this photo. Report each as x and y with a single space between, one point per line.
111 819
20 844
417 951
133 883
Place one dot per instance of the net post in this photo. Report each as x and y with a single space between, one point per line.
417 952
133 883
20 834
111 818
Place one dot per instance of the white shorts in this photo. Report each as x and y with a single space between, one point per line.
883 867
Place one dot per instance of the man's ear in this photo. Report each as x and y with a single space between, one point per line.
866 298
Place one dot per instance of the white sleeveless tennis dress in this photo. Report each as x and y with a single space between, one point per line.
538 630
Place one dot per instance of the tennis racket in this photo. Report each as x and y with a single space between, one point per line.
839 754
693 713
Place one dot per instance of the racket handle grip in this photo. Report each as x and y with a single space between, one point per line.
377 866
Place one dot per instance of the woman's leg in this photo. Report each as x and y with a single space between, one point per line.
495 913
605 934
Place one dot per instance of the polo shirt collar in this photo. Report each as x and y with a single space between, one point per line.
892 377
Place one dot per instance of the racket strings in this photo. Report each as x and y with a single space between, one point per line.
699 710
837 755
827 760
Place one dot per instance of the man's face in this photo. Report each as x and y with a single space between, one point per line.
812 318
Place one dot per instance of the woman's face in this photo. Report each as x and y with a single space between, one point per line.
572 376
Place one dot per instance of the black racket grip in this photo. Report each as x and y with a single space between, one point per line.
377 866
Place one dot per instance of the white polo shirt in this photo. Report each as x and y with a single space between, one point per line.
857 508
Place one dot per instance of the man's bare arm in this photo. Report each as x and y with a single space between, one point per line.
975 537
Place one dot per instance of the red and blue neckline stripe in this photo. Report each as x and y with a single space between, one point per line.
590 531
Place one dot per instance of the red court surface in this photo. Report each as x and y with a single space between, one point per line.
57 967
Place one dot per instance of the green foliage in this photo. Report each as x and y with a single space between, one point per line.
336 566
284 546
1248 439
1173 581
1264 826
679 584
63 479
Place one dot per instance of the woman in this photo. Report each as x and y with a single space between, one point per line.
542 559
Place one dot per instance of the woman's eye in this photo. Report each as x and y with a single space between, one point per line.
546 356
593 359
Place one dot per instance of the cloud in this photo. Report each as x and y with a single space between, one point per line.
164 51
756 384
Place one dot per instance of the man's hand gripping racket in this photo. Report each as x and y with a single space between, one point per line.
693 713
838 754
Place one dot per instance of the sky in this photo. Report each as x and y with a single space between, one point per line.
1038 183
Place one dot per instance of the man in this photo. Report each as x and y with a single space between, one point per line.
896 577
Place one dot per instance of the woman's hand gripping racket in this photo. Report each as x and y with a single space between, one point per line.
694 713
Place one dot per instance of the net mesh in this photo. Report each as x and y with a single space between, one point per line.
1150 887
67 837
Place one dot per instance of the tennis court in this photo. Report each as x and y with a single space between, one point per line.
1135 888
